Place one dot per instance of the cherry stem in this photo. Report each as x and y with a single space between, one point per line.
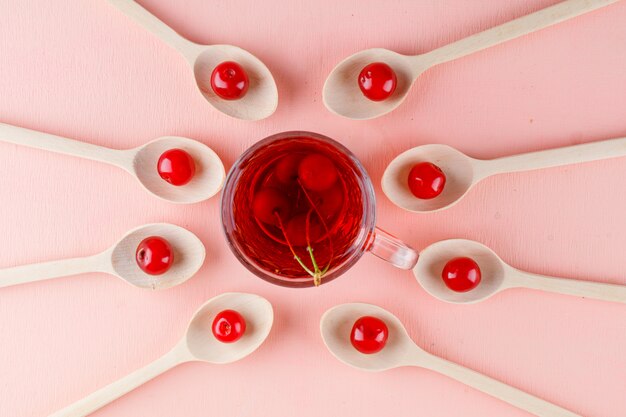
293 252
318 273
317 278
319 215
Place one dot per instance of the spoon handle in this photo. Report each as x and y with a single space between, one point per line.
58 144
587 152
115 390
152 24
587 289
490 386
46 270
515 28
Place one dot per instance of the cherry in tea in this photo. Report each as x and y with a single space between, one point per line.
297 208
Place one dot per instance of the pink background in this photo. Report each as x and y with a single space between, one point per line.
81 69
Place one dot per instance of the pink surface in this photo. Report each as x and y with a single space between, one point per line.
81 69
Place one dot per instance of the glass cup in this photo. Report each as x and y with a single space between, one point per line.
368 238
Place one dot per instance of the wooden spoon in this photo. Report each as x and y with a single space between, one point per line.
120 261
140 162
341 92
400 350
261 99
498 276
198 344
463 172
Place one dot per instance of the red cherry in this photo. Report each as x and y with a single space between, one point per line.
377 81
369 334
229 81
270 181
426 180
286 170
330 201
317 172
296 230
154 255
267 203
461 274
176 167
228 326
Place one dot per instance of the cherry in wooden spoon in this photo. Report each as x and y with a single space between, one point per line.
462 172
198 344
400 350
497 276
120 261
342 94
260 99
141 162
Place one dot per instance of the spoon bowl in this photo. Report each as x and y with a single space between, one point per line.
459 169
400 350
198 344
463 172
343 96
261 99
336 325
120 261
433 259
206 182
258 314
189 254
141 162
497 275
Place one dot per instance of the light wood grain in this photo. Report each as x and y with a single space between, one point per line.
568 155
462 172
141 162
131 88
497 276
261 99
198 344
119 260
113 391
151 23
400 351
342 95
521 26
41 140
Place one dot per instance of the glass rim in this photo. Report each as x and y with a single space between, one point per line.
357 249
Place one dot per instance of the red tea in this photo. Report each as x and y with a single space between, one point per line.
298 208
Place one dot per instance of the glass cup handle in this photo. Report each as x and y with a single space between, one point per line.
393 250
